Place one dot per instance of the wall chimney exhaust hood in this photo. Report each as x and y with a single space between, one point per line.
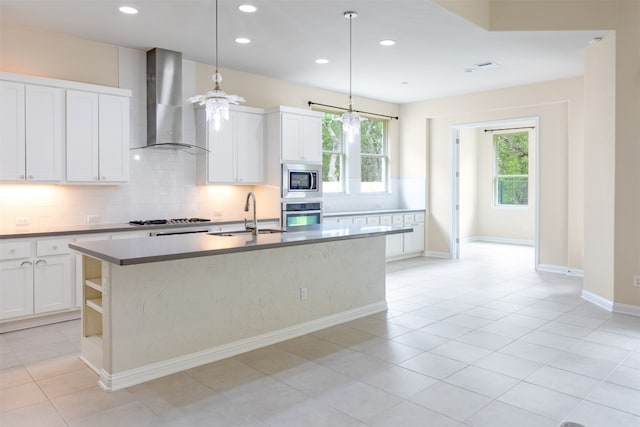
164 100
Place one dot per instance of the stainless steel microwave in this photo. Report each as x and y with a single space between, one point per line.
301 180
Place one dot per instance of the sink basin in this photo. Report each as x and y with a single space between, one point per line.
244 232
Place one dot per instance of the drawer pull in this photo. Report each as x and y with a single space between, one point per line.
12 251
41 261
55 247
25 263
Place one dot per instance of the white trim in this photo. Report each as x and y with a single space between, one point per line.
31 322
597 300
552 268
435 254
501 240
632 310
65 84
152 371
561 269
575 272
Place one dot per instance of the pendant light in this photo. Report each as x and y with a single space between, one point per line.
351 119
216 101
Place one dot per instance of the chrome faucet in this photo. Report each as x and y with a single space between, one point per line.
253 227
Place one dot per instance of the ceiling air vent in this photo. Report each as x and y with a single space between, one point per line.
488 64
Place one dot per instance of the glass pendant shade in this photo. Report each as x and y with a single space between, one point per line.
351 124
216 101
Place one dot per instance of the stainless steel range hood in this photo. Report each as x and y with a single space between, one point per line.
164 100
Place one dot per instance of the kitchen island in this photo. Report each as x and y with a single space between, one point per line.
154 306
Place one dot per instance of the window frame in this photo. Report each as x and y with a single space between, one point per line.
498 177
382 187
330 186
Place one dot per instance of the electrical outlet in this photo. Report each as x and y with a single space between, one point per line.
22 220
636 281
92 219
303 294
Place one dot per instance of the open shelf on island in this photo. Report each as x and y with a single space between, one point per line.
96 304
94 283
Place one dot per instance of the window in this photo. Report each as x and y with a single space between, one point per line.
340 159
373 156
333 157
511 179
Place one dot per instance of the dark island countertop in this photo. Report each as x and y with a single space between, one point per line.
166 248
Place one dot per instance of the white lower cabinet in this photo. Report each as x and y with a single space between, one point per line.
16 289
398 245
51 279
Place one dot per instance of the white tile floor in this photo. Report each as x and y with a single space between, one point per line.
484 341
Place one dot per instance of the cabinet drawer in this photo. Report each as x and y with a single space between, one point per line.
385 220
408 218
359 220
419 217
396 219
52 247
15 250
373 220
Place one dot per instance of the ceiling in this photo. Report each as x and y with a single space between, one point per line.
434 47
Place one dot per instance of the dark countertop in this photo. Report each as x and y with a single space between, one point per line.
25 231
165 248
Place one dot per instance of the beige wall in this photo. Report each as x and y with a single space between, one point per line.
29 50
558 105
476 176
612 277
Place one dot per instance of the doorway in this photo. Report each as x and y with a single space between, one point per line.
493 200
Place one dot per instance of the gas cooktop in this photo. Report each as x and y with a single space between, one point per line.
169 221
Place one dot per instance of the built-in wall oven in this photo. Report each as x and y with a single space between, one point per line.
301 181
296 214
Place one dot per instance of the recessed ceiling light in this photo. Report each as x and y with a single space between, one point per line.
322 61
243 40
387 42
404 83
469 70
247 8
128 10
487 64
595 40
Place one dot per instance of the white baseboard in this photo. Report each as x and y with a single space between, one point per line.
150 372
434 254
632 310
501 240
32 322
575 272
597 300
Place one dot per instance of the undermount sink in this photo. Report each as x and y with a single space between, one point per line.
243 232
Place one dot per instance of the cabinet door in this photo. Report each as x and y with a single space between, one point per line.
16 289
395 245
311 139
82 136
414 241
113 138
12 136
51 284
221 163
291 134
44 133
249 140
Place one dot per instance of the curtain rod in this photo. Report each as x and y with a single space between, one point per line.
524 127
357 111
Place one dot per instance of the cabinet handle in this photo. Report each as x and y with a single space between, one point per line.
104 178
30 176
54 247
12 251
25 263
21 177
41 261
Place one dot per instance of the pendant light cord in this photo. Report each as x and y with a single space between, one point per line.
217 72
350 62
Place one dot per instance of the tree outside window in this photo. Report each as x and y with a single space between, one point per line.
333 157
373 156
511 169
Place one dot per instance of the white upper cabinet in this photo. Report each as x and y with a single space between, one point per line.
236 150
35 115
82 136
301 138
44 133
12 128
97 137
31 132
